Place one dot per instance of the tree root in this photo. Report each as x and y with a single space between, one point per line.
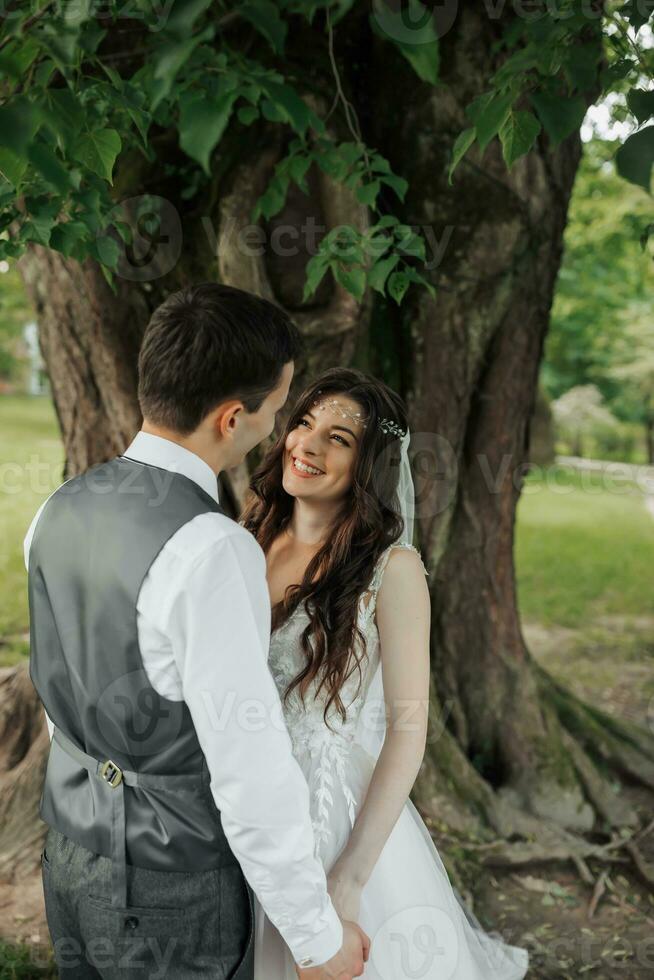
24 746
502 832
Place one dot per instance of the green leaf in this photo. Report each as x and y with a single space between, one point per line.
98 150
316 269
635 158
463 143
172 57
12 167
65 117
183 16
67 237
108 251
476 108
293 109
398 285
559 116
272 200
399 184
386 221
409 243
583 64
18 56
19 121
344 243
272 112
380 164
352 278
62 45
381 270
264 17
44 72
492 117
78 12
637 12
424 59
202 122
518 135
414 276
413 32
641 103
247 114
367 194
616 72
141 120
297 169
38 228
50 167
91 37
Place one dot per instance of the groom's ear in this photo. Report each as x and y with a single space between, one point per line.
225 418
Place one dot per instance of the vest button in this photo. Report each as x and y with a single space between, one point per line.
131 922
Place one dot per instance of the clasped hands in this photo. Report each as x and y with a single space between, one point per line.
350 961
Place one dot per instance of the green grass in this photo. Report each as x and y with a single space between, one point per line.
583 549
20 962
31 466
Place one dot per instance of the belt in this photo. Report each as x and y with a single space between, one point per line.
117 779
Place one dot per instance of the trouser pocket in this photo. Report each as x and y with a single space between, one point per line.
206 933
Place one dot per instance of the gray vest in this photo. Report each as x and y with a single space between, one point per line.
126 776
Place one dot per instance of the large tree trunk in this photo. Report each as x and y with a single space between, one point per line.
510 752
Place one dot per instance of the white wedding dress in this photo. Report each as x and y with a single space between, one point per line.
418 927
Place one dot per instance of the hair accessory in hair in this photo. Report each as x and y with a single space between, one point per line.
389 426
339 409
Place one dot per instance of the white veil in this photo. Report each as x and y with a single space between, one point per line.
406 492
371 724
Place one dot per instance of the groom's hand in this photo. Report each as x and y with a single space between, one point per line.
348 962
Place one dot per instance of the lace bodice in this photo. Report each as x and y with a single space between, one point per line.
323 750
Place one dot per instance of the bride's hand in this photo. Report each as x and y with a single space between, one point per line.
345 893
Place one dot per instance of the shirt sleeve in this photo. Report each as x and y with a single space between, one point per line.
219 626
27 542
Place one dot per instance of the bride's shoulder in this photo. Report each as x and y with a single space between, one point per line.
402 557
404 587
396 561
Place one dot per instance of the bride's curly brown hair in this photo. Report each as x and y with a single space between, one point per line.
369 521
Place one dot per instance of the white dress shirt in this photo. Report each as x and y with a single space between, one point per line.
203 618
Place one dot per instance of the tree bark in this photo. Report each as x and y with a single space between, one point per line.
510 753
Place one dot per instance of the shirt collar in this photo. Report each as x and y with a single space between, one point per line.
157 451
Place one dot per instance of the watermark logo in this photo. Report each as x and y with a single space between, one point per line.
414 23
130 714
146 234
416 944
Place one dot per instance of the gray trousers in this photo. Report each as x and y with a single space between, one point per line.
178 924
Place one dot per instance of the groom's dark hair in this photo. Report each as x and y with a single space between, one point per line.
207 343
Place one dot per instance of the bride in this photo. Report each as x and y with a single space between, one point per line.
332 508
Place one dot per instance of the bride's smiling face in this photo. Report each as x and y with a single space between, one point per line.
320 453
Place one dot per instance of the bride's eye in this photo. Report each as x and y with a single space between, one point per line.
303 422
341 439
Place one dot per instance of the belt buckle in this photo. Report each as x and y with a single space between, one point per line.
111 773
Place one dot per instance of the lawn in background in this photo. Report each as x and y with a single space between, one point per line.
31 466
584 548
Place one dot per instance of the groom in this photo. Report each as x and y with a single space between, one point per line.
171 790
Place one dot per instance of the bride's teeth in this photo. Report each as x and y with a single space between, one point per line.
305 468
